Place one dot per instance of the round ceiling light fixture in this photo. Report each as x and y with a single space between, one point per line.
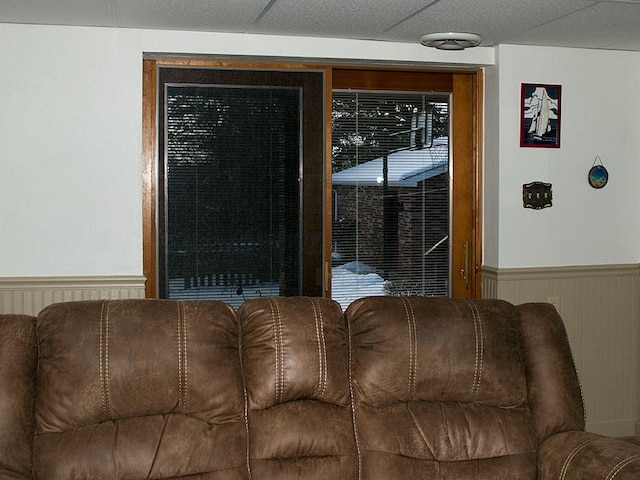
450 40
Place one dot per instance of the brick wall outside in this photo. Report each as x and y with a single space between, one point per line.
411 230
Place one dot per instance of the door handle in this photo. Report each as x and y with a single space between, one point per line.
464 272
327 276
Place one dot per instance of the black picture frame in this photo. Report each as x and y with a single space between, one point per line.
540 115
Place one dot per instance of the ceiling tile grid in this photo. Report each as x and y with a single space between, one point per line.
603 24
363 19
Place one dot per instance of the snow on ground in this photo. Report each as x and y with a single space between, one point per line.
348 282
231 294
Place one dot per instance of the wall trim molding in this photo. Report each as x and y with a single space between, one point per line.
579 271
66 281
29 295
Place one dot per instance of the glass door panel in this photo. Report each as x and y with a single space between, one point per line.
232 192
391 194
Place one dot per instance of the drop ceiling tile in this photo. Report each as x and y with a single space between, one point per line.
59 12
203 15
611 24
605 25
493 20
364 19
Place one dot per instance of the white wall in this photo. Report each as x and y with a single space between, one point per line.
600 107
70 134
70 145
70 182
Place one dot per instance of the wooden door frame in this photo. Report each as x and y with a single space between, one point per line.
149 176
466 115
312 280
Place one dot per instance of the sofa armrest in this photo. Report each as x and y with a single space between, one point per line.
584 456
17 376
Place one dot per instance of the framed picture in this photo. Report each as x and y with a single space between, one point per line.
540 115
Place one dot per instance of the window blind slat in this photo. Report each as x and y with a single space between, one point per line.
390 193
232 162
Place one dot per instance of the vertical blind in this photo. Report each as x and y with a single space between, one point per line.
232 196
390 194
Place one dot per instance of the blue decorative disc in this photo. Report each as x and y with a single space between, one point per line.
598 176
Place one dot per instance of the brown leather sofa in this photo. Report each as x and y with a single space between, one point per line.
293 388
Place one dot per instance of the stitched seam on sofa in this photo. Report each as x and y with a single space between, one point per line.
571 456
182 358
620 466
274 323
246 398
413 350
319 347
277 334
322 349
352 399
104 359
477 374
179 358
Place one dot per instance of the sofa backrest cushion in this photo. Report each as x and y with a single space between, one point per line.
439 386
295 364
408 349
17 379
139 389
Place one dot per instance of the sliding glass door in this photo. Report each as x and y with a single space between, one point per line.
391 194
233 221
280 179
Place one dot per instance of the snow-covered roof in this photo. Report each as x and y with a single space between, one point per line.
404 169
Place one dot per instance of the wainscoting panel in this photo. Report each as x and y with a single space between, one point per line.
601 310
29 295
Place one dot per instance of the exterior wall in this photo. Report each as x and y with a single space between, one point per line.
420 230
411 231
364 204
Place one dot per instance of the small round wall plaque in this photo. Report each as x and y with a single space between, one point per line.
598 175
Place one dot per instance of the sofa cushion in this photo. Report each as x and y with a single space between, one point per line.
17 378
407 349
294 357
440 380
139 389
579 455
